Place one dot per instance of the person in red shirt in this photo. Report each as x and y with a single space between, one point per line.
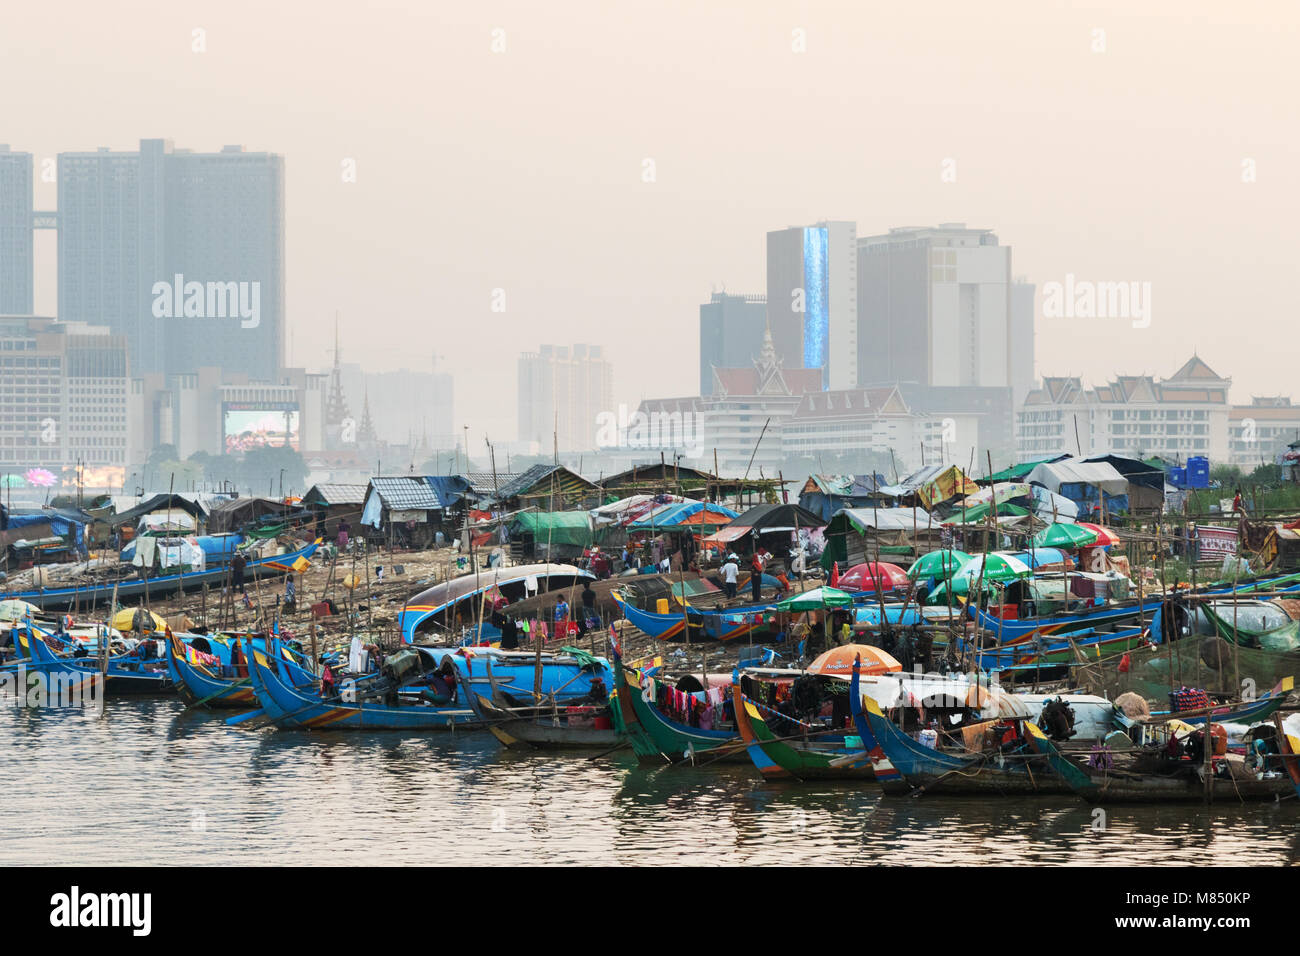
756 576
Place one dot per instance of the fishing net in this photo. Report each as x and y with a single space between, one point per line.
1133 705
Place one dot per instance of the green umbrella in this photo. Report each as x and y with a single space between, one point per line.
989 569
938 564
11 481
1064 534
960 586
816 599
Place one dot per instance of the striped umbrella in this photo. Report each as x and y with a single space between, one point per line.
1105 536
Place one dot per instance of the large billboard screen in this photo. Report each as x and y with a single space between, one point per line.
248 425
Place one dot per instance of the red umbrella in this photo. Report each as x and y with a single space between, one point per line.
835 574
1105 537
865 577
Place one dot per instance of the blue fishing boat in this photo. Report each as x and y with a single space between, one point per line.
305 708
886 774
676 628
126 675
52 599
568 676
197 684
212 685
755 622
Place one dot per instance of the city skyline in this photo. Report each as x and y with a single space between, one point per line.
1085 168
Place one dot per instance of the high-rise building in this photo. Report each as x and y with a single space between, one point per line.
63 398
16 264
1023 377
181 252
812 299
562 392
731 333
935 307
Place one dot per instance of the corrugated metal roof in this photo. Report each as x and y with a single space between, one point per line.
406 494
537 480
337 494
485 483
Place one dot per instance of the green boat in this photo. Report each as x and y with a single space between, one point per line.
657 738
1255 624
823 757
1209 662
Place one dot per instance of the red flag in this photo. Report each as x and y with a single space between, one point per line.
1124 663
835 574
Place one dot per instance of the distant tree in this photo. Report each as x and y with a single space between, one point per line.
262 467
1266 475
177 475
219 470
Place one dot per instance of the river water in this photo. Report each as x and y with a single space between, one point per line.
151 784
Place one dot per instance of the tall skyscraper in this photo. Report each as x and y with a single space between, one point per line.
812 299
935 307
1022 340
731 333
16 266
562 390
181 252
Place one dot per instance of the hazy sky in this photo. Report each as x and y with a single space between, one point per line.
522 170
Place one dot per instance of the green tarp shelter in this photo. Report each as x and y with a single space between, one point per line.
558 527
1014 473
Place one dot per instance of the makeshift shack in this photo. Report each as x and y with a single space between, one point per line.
858 535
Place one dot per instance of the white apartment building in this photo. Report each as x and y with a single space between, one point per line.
63 398
1135 415
1258 432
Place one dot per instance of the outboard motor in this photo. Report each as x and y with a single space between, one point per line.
1057 719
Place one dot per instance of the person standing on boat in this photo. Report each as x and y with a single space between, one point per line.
561 616
237 565
588 615
756 576
730 573
509 633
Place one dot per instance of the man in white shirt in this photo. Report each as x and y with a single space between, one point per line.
730 574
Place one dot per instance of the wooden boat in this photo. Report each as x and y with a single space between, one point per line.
1149 777
656 737
1282 637
52 599
886 774
199 685
1289 746
305 708
822 757
1098 615
1206 661
752 621
935 771
1026 651
1066 622
534 728
568 675
126 676
1249 712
